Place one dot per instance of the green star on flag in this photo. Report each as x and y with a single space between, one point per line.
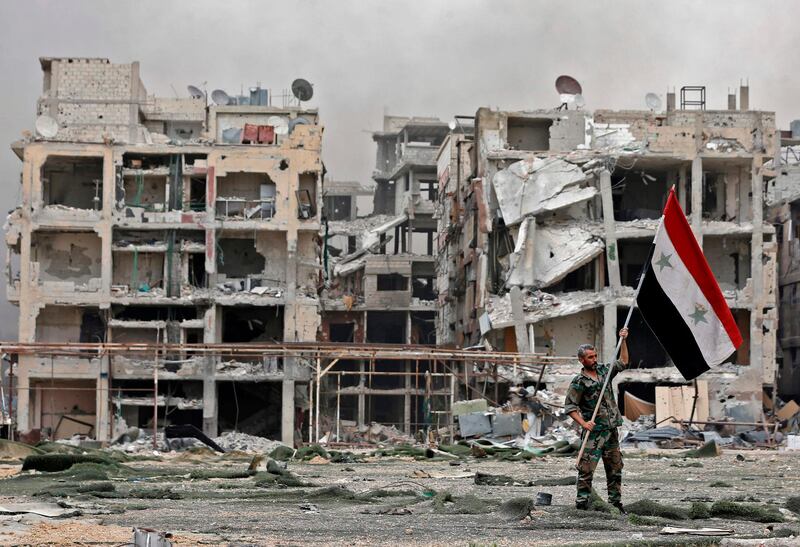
699 315
663 262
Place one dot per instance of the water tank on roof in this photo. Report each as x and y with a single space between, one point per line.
258 96
795 127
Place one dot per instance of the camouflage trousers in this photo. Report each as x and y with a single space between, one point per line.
605 444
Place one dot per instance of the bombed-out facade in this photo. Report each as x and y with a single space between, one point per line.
381 275
546 219
162 220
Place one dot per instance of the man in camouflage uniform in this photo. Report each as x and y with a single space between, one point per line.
582 397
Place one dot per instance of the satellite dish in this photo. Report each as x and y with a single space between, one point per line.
653 101
297 121
302 89
195 92
46 126
220 98
452 125
280 124
567 85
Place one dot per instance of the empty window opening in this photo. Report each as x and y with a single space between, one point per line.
252 324
423 328
386 327
644 348
250 407
428 190
75 182
423 281
422 241
581 279
197 270
307 196
155 313
392 282
246 195
638 194
529 133
197 194
135 398
141 272
338 207
632 257
342 332
238 258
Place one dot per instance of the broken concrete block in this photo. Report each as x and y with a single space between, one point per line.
474 423
557 251
505 425
467 407
530 187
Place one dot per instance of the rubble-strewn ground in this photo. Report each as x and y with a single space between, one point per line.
391 500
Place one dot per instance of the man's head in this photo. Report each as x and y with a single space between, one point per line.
587 355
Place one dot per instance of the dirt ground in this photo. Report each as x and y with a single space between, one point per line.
210 499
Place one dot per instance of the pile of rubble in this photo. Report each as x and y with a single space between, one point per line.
234 440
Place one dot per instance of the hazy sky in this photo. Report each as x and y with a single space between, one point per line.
425 58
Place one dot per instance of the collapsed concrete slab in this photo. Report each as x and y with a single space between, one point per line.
530 187
555 253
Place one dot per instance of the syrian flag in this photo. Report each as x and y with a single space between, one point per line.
681 301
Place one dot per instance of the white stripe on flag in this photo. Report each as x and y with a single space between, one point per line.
692 305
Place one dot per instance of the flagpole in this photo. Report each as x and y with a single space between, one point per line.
616 354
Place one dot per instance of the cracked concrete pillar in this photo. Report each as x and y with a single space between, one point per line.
612 251
23 396
287 412
697 199
757 270
518 315
682 187
102 401
609 331
210 419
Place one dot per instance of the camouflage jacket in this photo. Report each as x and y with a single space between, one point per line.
583 393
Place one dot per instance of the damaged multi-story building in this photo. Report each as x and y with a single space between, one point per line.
151 220
381 272
546 219
783 200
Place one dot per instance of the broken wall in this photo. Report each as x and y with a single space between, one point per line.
67 256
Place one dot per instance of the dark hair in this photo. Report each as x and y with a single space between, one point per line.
583 348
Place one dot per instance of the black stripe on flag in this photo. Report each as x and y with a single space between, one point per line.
670 328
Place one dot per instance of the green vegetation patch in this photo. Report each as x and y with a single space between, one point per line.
61 462
746 511
470 504
699 510
720 484
221 474
649 508
793 504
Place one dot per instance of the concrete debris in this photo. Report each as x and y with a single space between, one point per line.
234 440
556 253
50 510
531 187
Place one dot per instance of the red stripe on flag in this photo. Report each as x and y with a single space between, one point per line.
695 261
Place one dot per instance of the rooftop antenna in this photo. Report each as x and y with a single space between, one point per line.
195 92
302 90
175 91
220 98
567 88
46 126
653 102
